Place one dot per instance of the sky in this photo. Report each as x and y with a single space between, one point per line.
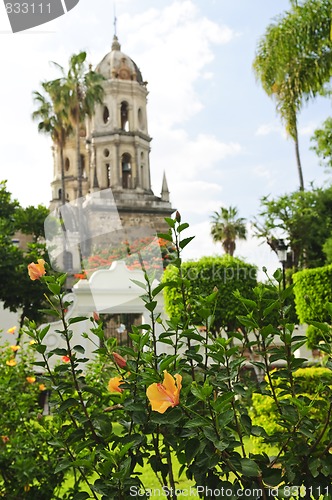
215 132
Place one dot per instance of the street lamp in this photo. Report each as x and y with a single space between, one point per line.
282 256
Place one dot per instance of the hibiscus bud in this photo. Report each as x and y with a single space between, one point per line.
119 360
177 216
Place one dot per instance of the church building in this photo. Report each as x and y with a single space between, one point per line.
115 156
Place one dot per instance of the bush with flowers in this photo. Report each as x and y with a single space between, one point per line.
27 461
190 403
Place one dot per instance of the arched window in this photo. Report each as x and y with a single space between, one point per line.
106 115
140 119
126 171
124 116
67 164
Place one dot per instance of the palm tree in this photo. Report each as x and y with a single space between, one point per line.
294 60
227 227
53 122
82 90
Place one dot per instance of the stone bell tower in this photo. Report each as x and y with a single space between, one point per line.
115 153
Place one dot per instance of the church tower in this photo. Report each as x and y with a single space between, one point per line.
115 153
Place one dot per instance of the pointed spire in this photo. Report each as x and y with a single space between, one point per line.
164 189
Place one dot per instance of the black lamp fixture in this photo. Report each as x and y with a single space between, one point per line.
282 256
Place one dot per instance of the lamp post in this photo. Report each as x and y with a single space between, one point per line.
282 256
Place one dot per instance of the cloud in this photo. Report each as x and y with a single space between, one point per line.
184 157
261 172
173 46
308 129
197 197
271 128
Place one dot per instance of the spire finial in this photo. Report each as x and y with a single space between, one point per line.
164 189
115 44
115 20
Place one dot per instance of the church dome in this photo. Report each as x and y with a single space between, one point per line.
117 65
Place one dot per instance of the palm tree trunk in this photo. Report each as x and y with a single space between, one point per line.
63 185
298 159
79 164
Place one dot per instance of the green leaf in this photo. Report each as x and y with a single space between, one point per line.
165 236
249 467
182 227
278 275
43 332
77 319
167 361
150 306
249 303
186 242
50 312
247 321
60 352
54 288
196 422
79 348
65 405
76 435
62 466
274 305
158 289
171 222
139 283
191 448
40 348
82 495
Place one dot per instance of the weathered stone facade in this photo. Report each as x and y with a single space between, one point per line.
115 149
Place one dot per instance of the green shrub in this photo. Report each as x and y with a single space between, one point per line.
27 461
311 383
313 290
177 393
226 274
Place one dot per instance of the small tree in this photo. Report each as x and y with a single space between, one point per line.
227 227
16 290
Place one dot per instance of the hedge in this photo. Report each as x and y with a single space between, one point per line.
313 290
226 273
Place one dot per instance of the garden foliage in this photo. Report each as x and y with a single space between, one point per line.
27 459
135 408
225 274
313 289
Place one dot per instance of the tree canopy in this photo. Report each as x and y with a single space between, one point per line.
304 219
227 227
17 291
294 60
